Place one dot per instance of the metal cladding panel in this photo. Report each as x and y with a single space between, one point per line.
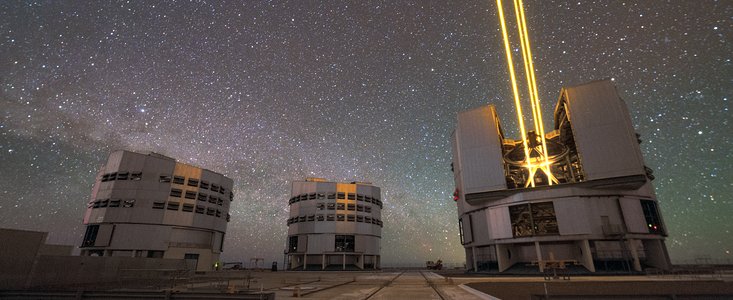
467 229
572 216
633 215
500 223
603 132
478 151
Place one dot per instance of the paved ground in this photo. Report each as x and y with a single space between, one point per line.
415 284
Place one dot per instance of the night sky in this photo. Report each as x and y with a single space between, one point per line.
269 92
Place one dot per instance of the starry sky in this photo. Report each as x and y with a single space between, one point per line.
267 92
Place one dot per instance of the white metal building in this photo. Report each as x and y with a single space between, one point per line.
149 205
334 226
601 215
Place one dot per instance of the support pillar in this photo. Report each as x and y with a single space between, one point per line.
305 257
538 252
502 257
473 256
323 262
634 254
587 257
361 262
343 262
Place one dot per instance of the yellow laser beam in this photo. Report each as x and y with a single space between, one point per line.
515 89
532 85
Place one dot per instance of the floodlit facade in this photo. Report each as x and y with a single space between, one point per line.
334 226
149 205
596 209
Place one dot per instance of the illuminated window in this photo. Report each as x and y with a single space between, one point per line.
533 219
651 215
330 217
340 217
340 206
341 195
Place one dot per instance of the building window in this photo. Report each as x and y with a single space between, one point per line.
229 217
136 176
105 177
179 179
213 199
158 205
214 187
340 206
460 230
301 219
128 203
176 193
90 236
173 205
341 195
114 203
330 217
223 190
367 208
311 218
190 195
331 196
319 218
351 206
321 196
360 218
331 206
203 197
155 254
321 206
187 207
651 215
344 243
368 199
219 201
204 184
367 219
351 196
200 209
210 211
218 213
312 196
165 178
113 176
122 175
193 182
303 197
533 219
292 200
293 244
359 197
340 217
103 203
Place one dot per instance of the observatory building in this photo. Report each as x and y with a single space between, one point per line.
587 204
334 226
149 205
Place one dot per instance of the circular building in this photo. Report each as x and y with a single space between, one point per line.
149 205
334 226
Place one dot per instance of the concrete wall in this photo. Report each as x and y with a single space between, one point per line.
72 270
17 254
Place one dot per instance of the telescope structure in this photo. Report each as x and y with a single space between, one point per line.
592 208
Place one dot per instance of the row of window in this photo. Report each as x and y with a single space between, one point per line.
187 207
111 203
339 195
344 206
136 176
342 243
335 217
178 193
194 182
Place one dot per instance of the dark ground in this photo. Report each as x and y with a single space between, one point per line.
673 289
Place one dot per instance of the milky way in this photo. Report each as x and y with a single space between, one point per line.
270 92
